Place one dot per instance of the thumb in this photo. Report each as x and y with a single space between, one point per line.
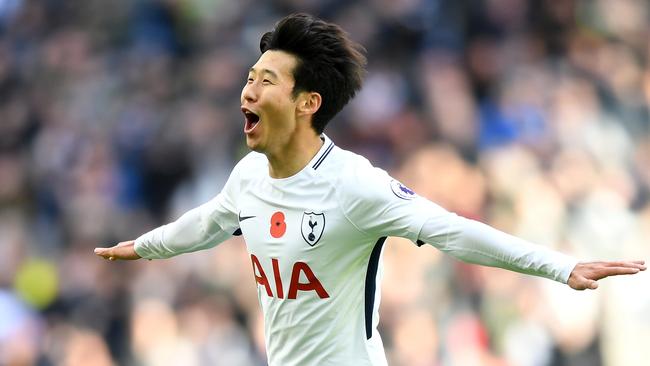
587 284
581 283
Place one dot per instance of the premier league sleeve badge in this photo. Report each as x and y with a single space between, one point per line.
401 191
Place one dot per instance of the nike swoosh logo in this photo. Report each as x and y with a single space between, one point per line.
242 218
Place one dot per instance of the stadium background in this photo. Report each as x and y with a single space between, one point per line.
117 116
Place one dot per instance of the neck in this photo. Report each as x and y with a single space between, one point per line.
294 156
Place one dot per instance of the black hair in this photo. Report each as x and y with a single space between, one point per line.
329 62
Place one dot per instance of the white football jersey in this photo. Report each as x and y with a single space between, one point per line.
315 242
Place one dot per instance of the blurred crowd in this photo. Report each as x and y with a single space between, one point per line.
118 116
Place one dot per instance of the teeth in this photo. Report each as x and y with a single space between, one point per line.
252 117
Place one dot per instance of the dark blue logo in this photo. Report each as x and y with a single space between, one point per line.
401 190
406 190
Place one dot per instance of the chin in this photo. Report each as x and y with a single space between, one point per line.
253 145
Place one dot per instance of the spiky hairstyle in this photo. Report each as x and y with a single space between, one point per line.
329 62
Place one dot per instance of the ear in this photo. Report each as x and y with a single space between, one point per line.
309 103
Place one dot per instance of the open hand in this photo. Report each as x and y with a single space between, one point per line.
124 250
585 274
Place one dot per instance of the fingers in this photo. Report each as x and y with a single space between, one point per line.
640 264
122 251
105 253
614 271
599 270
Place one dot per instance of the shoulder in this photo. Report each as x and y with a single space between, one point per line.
252 159
354 177
244 172
250 165
340 165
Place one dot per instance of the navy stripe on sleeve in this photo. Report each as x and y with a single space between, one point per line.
371 284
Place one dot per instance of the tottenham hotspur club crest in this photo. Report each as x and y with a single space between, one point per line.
312 227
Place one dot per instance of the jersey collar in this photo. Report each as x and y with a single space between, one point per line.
322 154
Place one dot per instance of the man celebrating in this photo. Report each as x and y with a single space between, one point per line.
315 217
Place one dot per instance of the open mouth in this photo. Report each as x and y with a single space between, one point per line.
251 120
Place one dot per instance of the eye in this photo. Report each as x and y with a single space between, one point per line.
250 80
266 81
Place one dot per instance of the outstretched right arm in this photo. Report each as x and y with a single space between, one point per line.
200 228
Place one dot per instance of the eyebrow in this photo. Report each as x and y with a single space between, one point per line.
263 71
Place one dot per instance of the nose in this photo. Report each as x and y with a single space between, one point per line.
248 93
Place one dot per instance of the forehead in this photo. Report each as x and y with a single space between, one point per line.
279 62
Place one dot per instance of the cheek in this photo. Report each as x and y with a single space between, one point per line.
281 106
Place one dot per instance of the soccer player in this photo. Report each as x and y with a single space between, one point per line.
315 216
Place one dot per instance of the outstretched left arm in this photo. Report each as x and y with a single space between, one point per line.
477 243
